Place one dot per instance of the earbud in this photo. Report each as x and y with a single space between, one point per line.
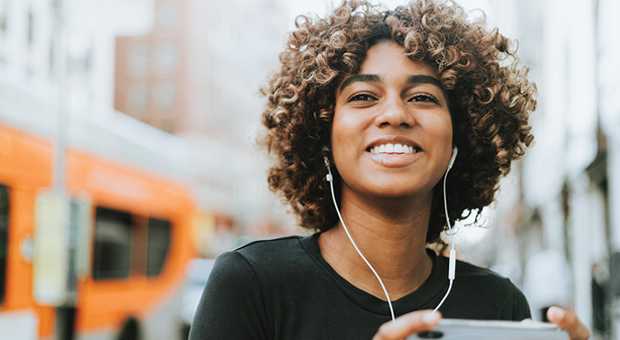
455 151
329 176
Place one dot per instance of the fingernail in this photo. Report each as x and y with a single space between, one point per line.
431 317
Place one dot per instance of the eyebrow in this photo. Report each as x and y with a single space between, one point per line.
373 78
424 79
366 78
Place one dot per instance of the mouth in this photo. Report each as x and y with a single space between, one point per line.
392 148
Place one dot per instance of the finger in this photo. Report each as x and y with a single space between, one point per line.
569 322
527 321
408 324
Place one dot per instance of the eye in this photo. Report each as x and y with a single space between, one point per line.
423 98
362 97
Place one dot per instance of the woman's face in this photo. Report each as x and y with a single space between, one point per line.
392 132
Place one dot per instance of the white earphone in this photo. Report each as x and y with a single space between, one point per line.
452 261
455 151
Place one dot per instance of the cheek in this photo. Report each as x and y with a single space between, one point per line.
442 127
439 132
337 135
346 130
347 140
343 123
447 136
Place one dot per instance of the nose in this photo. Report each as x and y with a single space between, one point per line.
394 112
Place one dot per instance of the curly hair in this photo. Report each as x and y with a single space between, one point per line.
489 96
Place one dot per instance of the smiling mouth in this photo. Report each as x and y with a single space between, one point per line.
390 148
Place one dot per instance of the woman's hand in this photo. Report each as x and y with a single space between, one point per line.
408 324
569 322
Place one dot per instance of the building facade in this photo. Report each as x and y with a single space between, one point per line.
197 75
557 218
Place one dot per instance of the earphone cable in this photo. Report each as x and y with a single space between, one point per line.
451 269
387 296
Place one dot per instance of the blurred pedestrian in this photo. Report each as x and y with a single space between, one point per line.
394 109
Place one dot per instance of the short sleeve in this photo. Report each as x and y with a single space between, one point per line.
520 306
231 307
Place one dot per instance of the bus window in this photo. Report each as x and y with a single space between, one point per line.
4 237
158 244
112 244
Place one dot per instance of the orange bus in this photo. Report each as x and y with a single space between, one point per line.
133 181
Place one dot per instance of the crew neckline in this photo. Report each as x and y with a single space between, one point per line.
421 298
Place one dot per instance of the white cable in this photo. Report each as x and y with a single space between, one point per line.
452 264
387 296
444 297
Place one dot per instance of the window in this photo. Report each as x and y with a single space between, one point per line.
129 245
4 237
138 59
158 245
167 59
138 98
112 244
166 93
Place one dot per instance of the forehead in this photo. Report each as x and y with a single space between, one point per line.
389 57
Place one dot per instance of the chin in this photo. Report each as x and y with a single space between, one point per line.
397 192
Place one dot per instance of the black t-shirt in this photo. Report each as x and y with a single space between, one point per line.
284 289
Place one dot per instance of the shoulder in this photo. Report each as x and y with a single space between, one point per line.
475 275
470 270
268 272
485 288
467 272
271 253
261 248
238 300
250 260
269 259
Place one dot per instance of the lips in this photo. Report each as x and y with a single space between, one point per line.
394 151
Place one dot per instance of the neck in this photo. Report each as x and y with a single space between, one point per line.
391 234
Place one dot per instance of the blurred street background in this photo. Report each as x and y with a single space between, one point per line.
128 159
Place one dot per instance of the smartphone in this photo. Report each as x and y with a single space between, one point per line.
457 329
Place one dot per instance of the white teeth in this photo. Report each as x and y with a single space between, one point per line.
393 148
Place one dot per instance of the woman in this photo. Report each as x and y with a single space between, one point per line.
374 103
